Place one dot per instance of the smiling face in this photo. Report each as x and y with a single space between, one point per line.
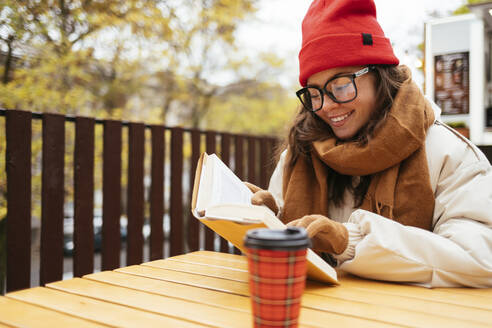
348 118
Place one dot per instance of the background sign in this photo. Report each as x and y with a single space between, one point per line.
451 83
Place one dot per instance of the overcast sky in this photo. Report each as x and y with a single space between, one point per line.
278 28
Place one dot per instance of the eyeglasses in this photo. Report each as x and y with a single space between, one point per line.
341 89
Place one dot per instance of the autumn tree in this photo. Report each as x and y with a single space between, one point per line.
254 105
56 43
132 59
203 48
269 109
464 9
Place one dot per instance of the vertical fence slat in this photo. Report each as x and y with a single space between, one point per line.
225 146
238 164
84 197
265 158
18 165
111 235
225 154
157 193
135 193
176 192
239 156
52 192
252 176
211 149
193 231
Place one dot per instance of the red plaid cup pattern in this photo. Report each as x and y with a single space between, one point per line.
277 280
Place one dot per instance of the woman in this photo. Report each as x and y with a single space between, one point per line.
380 184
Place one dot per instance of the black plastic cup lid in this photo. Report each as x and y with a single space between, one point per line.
290 239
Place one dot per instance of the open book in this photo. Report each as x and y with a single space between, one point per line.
222 202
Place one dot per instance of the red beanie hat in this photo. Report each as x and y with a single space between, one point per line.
338 33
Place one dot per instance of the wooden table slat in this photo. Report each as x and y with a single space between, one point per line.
214 283
234 287
21 314
211 289
418 292
200 269
421 308
193 311
218 262
468 297
414 297
173 289
219 256
459 312
96 310
389 314
482 292
219 299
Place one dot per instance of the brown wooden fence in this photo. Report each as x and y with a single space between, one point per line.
250 156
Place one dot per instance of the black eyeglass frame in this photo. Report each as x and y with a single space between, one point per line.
324 92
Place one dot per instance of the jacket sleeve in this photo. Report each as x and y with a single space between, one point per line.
459 250
459 255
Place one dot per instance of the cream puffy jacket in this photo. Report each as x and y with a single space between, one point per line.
459 250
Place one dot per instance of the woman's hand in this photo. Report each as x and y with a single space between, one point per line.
262 197
326 235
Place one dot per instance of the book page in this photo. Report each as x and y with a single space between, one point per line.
219 185
238 213
227 187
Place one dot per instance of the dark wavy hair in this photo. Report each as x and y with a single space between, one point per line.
307 127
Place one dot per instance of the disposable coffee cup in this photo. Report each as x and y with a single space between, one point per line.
277 275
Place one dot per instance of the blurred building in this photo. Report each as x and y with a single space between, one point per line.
458 70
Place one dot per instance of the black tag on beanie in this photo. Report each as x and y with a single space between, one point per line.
367 39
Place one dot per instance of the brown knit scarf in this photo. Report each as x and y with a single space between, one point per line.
394 157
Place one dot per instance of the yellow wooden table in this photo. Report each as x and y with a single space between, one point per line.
207 289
